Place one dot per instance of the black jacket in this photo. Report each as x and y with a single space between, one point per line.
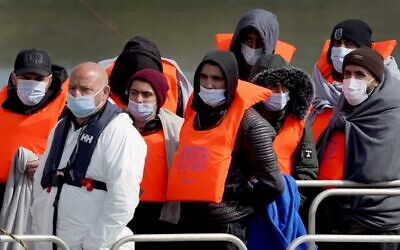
252 158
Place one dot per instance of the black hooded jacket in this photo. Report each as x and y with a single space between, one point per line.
252 156
14 104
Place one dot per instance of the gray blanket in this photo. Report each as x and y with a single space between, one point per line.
15 216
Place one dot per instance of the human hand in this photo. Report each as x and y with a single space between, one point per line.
31 167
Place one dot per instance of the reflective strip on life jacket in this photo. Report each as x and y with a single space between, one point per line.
385 48
155 175
332 163
285 50
202 161
169 71
29 131
287 142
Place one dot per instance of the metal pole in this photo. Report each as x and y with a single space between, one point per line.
179 237
345 183
36 238
342 238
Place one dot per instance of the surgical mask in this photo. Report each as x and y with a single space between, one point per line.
31 92
141 111
337 56
212 97
277 101
82 106
251 55
355 90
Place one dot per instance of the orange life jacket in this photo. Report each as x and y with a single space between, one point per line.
321 122
332 163
155 175
202 161
285 50
169 71
385 48
29 131
287 142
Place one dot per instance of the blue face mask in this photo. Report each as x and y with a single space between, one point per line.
82 106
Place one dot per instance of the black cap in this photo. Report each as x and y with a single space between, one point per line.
32 61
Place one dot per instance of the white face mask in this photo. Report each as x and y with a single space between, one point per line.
212 97
277 101
337 56
143 112
82 106
30 92
355 90
251 55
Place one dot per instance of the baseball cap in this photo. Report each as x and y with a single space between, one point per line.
32 61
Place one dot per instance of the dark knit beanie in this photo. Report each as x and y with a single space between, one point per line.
352 30
267 62
368 59
157 81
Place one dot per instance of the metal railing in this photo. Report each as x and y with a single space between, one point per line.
342 238
344 183
179 237
35 238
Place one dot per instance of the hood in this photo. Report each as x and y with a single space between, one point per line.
14 104
139 53
266 23
226 61
299 83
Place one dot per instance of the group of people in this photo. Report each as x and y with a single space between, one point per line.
129 145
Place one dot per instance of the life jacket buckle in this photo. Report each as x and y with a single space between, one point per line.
88 183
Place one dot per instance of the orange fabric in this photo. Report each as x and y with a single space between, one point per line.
285 50
332 163
385 48
321 122
202 161
155 175
169 71
287 142
29 131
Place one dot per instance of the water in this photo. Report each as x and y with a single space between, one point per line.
182 29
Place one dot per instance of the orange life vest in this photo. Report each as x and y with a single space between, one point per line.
202 161
155 175
385 48
285 50
332 163
29 131
287 142
321 122
169 71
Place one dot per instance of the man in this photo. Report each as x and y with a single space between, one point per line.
360 144
327 74
160 129
224 143
256 34
31 104
141 53
91 170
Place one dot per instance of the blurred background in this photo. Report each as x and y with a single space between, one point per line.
73 31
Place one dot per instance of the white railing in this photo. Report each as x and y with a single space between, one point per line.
342 238
35 238
179 237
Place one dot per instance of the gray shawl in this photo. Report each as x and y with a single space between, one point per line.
372 136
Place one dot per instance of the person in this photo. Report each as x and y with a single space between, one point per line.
141 53
286 111
225 166
160 128
327 73
91 170
31 104
255 34
360 144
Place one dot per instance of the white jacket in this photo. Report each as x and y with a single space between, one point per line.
96 219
